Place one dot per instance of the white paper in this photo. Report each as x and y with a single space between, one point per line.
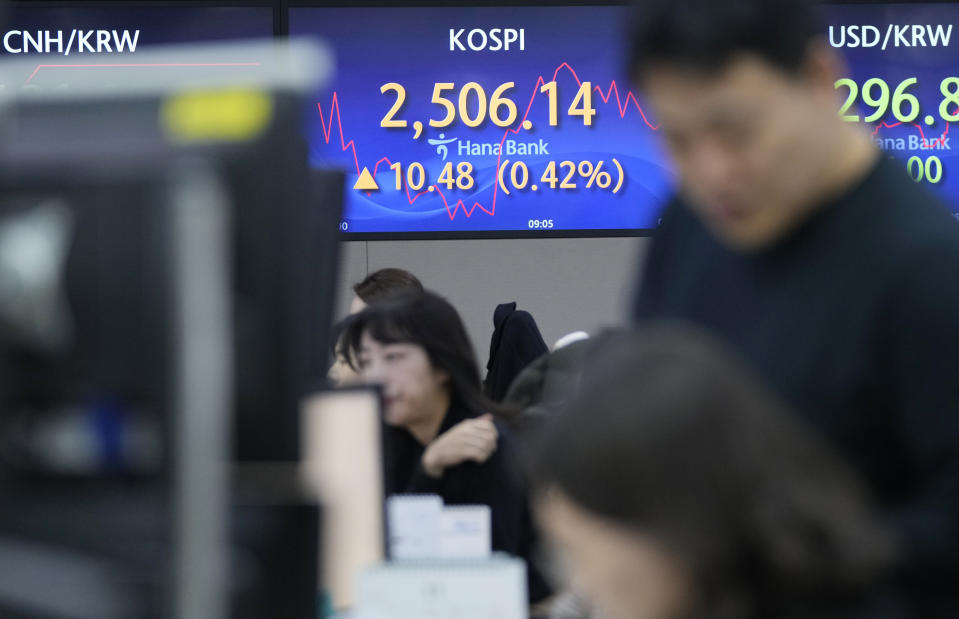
492 588
465 532
415 526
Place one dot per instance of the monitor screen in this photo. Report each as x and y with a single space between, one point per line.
176 274
484 121
71 39
456 121
284 221
903 84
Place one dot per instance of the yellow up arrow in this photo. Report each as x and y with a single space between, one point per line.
366 182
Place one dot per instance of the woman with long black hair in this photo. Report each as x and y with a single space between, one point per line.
443 434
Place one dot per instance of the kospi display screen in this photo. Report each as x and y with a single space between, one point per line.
457 121
484 121
71 40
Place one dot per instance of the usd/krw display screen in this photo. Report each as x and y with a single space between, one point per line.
903 84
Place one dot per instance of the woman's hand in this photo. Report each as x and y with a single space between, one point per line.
473 439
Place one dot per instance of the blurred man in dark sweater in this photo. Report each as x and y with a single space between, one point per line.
814 257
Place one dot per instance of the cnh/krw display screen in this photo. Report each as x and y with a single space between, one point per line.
498 121
72 40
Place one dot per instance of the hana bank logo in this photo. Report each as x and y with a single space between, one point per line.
440 145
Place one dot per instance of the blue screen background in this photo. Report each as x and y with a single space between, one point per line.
411 46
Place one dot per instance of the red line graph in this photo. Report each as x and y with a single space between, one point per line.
926 141
622 104
139 65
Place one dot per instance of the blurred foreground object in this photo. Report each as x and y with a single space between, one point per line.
166 263
811 254
678 486
467 589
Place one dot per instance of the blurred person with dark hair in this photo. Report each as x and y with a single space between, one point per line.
442 436
544 385
382 284
376 286
810 254
678 487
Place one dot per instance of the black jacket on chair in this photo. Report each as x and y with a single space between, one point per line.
516 343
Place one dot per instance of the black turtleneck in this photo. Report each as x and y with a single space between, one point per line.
854 320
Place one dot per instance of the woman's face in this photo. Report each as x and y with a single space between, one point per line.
413 390
625 573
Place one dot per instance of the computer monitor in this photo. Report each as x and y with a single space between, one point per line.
484 120
86 353
169 269
283 224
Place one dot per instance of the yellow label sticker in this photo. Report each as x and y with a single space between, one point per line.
230 115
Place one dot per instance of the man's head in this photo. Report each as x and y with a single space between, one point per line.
744 94
382 284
